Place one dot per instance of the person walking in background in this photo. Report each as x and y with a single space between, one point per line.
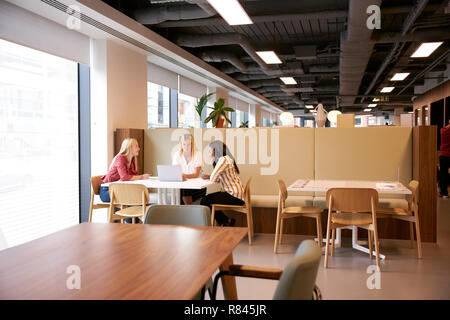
226 172
190 161
444 160
123 168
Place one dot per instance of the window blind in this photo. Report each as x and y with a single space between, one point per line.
28 29
191 87
161 76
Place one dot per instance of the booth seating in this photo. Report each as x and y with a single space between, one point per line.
269 154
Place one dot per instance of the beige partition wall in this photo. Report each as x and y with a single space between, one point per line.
373 153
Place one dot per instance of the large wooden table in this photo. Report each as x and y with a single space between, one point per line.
120 261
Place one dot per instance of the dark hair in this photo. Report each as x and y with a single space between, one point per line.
221 150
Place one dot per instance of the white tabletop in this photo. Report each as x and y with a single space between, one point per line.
154 183
383 187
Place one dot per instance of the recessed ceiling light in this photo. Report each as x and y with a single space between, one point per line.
372 105
288 80
269 57
367 110
231 11
387 89
400 76
425 49
309 106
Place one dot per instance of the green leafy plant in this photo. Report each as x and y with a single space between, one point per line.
201 103
219 111
244 124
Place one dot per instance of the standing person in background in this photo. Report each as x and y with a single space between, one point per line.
226 172
190 161
444 160
123 168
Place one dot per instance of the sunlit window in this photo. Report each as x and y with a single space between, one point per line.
39 167
158 105
186 111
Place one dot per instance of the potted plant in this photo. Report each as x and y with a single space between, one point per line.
244 124
219 114
201 103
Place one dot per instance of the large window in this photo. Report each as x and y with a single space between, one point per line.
39 175
241 117
186 111
158 105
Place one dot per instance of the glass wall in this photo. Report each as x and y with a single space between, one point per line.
39 166
158 105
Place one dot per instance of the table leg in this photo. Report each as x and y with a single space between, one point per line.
177 196
228 282
164 196
172 196
159 196
357 246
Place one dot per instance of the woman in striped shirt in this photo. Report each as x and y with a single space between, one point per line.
226 173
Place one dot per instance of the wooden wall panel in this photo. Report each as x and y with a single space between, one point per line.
138 134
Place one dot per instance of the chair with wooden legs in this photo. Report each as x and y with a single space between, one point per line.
411 215
131 198
96 181
352 207
294 212
246 209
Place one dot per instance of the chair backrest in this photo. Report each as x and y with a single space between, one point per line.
413 186
193 215
283 192
247 196
96 181
352 199
128 194
299 277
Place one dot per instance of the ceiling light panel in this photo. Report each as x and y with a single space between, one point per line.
288 80
269 57
387 89
231 11
400 76
425 49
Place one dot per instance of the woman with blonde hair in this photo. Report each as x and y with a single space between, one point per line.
190 161
123 167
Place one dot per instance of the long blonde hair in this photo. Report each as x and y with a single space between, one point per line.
125 150
182 139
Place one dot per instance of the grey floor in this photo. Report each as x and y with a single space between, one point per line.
403 276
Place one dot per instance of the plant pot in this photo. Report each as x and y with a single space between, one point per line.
220 123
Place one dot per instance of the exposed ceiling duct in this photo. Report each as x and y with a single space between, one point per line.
356 49
397 47
156 15
195 41
262 83
221 56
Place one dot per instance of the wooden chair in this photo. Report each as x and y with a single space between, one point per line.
127 194
352 207
246 209
410 215
96 181
294 212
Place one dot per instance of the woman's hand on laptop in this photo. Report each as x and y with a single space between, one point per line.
204 176
145 176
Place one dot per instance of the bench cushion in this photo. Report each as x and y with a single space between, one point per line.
271 201
382 203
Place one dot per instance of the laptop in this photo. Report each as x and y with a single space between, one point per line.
169 173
